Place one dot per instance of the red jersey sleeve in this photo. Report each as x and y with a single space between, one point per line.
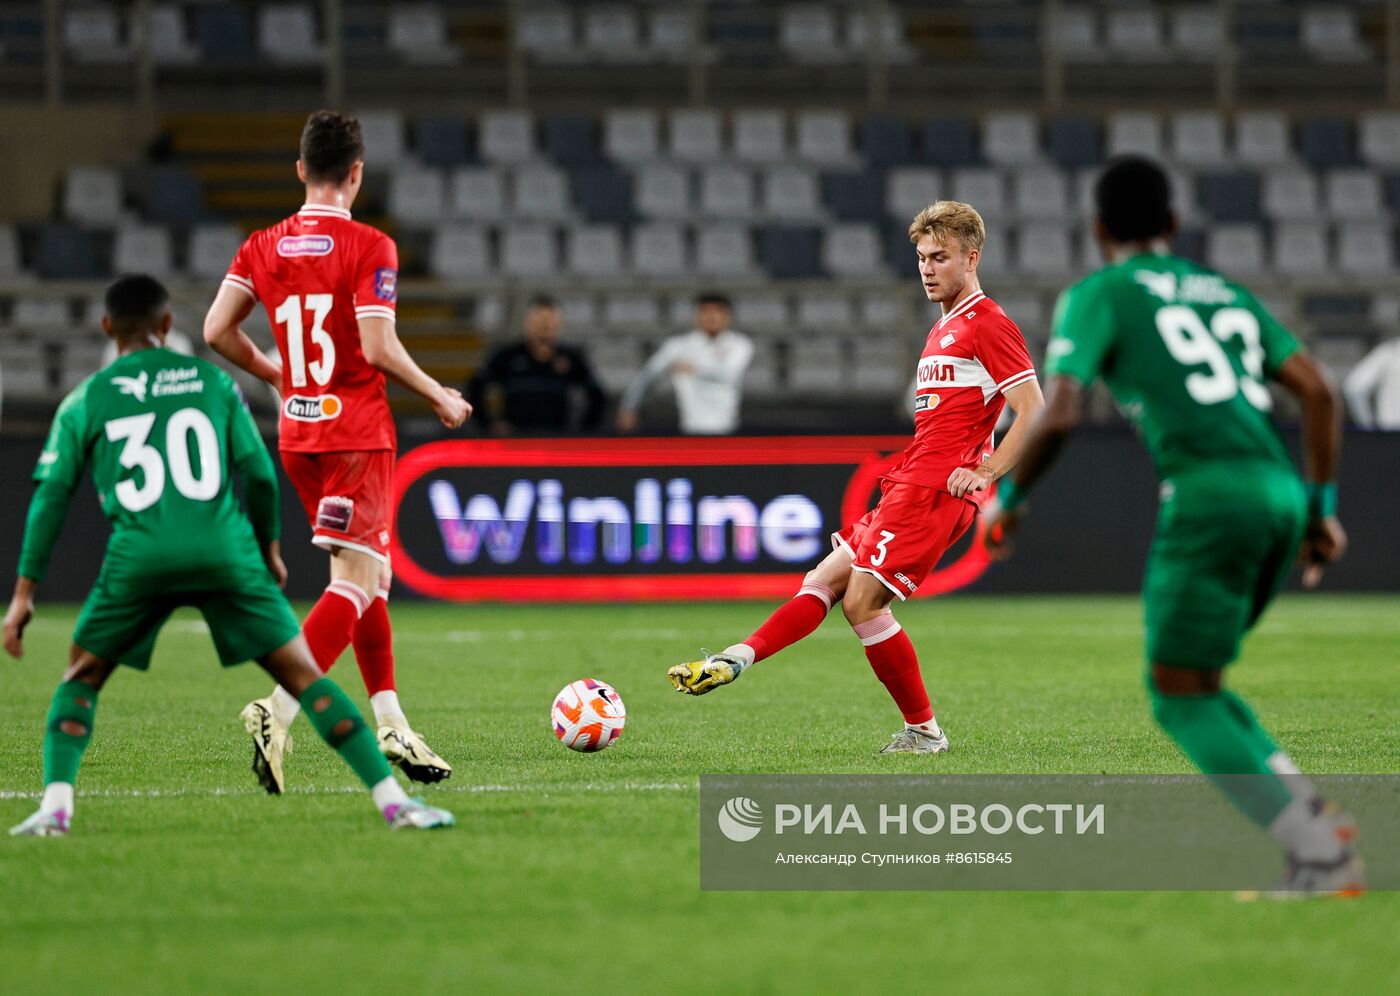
1002 351
240 271
377 279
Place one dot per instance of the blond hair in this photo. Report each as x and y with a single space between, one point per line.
949 220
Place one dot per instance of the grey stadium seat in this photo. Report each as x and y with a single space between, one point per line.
694 136
790 193
1300 249
826 311
1261 138
1198 139
461 252
664 190
593 251
1291 192
910 189
506 137
417 196
726 191
1353 194
852 250
760 136
1366 249
1236 250
1134 132
1011 139
529 251
1040 192
477 193
824 137
659 250
1380 138
92 195
143 249
383 136
211 249
724 250
632 136
539 191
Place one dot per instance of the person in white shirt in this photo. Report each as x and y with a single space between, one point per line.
1372 388
706 367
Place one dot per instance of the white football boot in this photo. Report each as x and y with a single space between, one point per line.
912 741
416 759
272 744
415 814
43 824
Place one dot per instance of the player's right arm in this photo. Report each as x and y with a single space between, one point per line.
379 341
224 334
60 468
260 491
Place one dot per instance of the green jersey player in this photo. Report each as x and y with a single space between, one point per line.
161 433
1187 355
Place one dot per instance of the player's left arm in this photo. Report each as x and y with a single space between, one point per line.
223 331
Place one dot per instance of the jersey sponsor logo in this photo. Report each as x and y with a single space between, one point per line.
133 386
925 403
334 513
299 408
386 284
947 340
932 371
305 245
906 582
1162 285
183 381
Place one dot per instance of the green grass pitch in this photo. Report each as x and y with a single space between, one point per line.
580 872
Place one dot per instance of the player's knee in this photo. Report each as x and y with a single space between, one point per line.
825 593
859 607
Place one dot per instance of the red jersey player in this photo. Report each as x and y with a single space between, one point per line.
973 363
329 285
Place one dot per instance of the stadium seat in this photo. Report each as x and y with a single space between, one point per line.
11 265
818 365
1040 192
789 193
1198 139
42 316
868 26
612 33
886 141
950 142
570 139
826 311
1229 195
546 33
169 35
92 34
1010 139
616 361
852 250
881 367
790 251
726 191
984 189
1330 34
1026 310
1380 138
1044 249
581 313
461 252
211 249
287 34
477 193
760 136
1135 34
603 193
417 195
224 33
824 137
1074 141
762 312
1300 249
636 312
1236 250
1197 32
143 249
539 191
632 136
910 189
1365 249
694 136
1261 138
658 250
440 141
383 133
593 251
92 195
1353 195
27 373
855 196
761 375
882 312
670 33
417 33
174 195
506 137
1136 133
65 252
724 251
664 190
529 251
1290 193
807 33
1325 142
1076 34
998 254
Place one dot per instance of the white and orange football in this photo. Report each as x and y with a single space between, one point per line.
588 715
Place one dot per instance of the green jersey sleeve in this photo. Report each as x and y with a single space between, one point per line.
249 454
1275 340
60 468
1081 333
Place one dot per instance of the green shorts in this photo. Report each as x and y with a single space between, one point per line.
1226 539
247 618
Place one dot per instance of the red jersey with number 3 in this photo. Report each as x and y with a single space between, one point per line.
317 273
974 354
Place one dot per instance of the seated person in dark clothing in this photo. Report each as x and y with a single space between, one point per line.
531 386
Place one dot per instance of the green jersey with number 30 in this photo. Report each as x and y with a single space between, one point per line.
1186 354
161 433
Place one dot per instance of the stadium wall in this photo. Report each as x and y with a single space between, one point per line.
1090 527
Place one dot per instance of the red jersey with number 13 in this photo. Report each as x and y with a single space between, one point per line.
317 273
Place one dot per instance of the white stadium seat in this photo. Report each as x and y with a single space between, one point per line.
477 193
790 193
593 251
418 34
726 192
287 34
910 189
724 251
1040 192
211 249
632 135
383 133
1198 138
1236 250
1135 133
852 250
461 252
92 195
507 136
659 250
417 196
539 191
694 136
760 136
1291 193
1011 138
1261 138
1353 194
824 137
529 251
1300 249
663 190
1365 249
143 249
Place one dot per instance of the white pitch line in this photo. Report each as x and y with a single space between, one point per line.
178 793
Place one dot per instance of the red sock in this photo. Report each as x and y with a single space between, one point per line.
332 620
896 664
792 620
374 647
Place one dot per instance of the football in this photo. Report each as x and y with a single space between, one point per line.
588 715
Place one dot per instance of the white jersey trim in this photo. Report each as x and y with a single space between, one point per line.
326 541
374 311
1015 380
960 309
325 210
242 283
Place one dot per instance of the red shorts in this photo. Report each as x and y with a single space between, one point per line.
346 497
901 539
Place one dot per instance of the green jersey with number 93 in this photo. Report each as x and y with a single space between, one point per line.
1186 354
162 433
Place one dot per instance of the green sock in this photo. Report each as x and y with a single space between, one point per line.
68 730
340 724
1220 734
